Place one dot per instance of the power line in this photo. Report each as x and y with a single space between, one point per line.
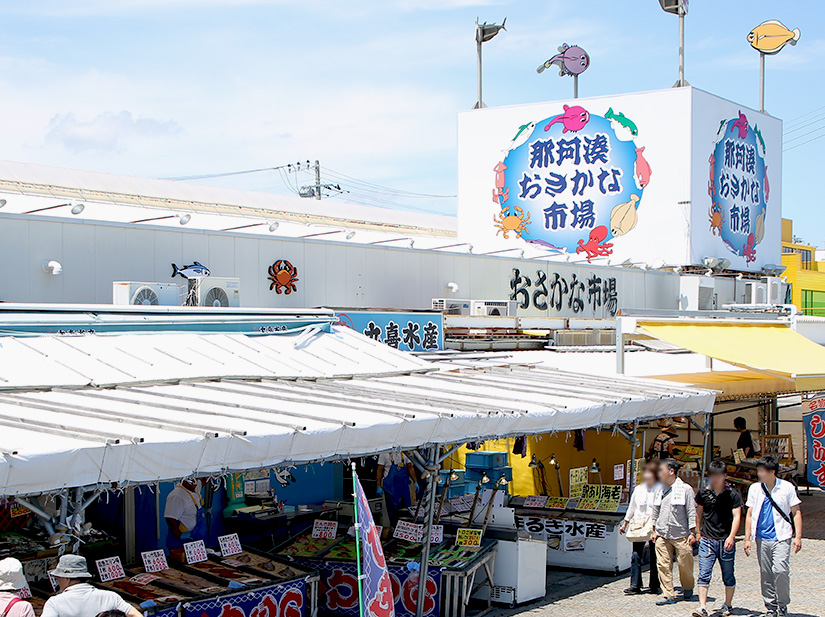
802 126
803 143
794 120
381 188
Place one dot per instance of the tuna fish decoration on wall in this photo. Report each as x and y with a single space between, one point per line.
194 270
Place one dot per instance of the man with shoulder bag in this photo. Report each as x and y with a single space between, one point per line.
774 520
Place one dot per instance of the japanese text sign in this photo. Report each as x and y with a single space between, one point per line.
109 569
154 561
813 414
324 529
468 537
195 552
230 545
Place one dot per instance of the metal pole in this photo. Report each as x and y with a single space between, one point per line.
425 553
317 180
705 458
619 347
357 542
479 103
762 82
634 440
575 86
681 47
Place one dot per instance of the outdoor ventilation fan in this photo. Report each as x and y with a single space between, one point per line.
145 296
216 297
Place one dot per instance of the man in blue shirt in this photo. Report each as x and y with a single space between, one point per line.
774 505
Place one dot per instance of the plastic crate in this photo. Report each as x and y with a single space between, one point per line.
470 488
486 460
454 490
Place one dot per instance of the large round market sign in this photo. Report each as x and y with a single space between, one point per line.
571 182
738 187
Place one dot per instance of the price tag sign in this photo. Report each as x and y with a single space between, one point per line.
535 501
468 537
110 569
25 593
143 579
578 477
154 561
437 534
557 502
230 545
18 510
195 552
618 472
409 532
324 529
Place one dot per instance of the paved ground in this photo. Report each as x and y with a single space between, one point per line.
580 594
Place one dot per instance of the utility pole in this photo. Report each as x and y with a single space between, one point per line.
317 179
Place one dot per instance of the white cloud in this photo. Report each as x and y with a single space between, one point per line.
105 133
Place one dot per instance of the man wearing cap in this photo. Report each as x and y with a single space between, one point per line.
79 599
12 581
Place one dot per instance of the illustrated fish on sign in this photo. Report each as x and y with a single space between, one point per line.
741 124
623 217
758 134
573 119
571 60
193 270
523 134
641 169
622 120
771 36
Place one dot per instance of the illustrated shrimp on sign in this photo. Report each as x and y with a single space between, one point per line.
515 221
716 218
595 245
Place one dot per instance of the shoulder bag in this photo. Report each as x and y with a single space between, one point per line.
785 517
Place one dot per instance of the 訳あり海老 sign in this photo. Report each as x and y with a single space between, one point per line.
571 182
738 186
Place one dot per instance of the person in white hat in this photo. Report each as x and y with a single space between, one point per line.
79 599
12 580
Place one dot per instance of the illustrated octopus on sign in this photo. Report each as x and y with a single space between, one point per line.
517 222
716 218
595 245
748 249
283 276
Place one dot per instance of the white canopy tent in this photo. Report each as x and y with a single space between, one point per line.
94 411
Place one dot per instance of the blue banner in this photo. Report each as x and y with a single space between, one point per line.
404 331
813 416
338 590
376 587
279 600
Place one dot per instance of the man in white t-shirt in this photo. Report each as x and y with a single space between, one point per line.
776 524
79 599
185 515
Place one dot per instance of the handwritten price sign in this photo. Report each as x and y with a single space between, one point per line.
409 532
195 552
437 534
143 579
110 569
557 502
324 529
535 501
154 561
468 537
230 545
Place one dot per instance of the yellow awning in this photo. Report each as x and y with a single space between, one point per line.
769 348
733 384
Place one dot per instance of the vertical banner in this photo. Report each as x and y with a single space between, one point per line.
813 417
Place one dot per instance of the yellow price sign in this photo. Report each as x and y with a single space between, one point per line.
468 537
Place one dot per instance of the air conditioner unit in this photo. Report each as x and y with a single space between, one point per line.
503 308
756 292
776 290
132 292
451 306
214 291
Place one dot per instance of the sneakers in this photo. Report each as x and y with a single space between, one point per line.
654 591
700 612
668 601
725 610
633 591
687 594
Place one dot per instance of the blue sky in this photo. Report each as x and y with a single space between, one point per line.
370 87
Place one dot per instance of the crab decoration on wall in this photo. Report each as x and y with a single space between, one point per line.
283 276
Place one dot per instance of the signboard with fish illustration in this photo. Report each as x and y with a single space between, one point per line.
619 179
771 36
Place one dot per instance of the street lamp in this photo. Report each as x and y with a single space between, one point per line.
680 8
484 32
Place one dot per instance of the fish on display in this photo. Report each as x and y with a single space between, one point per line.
641 169
573 119
571 60
741 124
193 270
523 134
622 120
771 36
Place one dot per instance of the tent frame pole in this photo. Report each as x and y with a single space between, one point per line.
433 467
632 472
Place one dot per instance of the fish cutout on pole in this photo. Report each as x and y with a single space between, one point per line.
192 271
771 36
571 60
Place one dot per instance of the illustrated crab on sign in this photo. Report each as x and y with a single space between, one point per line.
595 245
283 276
716 218
517 222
